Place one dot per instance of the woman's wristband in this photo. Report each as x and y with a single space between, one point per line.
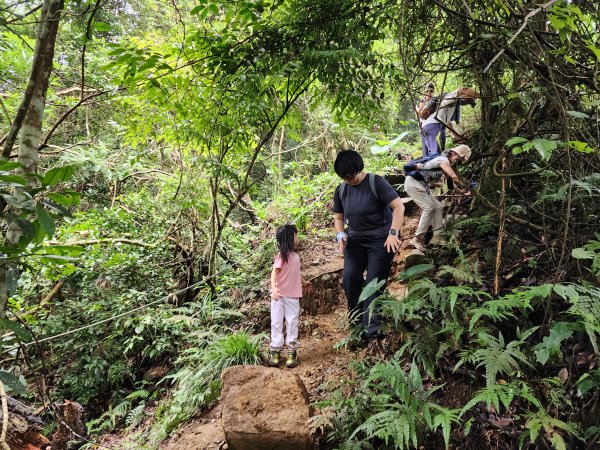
341 235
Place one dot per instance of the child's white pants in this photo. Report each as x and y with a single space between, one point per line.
288 308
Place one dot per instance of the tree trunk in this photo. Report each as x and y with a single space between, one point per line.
30 114
35 93
31 131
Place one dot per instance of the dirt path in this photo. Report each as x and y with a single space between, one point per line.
320 364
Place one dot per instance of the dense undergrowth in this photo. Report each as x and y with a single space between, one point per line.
167 159
532 379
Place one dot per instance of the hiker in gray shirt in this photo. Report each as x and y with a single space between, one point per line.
417 187
447 115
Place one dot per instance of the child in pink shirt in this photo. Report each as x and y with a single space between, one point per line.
286 290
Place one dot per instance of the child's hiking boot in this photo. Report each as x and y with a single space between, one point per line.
274 359
292 359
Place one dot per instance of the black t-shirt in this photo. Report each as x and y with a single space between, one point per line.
363 213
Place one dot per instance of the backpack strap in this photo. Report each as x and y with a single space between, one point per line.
372 184
342 190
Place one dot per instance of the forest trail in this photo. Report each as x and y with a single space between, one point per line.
321 362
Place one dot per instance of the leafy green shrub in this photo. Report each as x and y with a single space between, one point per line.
496 356
388 407
591 250
198 380
544 429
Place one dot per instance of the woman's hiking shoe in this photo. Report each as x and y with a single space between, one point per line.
292 359
417 242
274 359
438 239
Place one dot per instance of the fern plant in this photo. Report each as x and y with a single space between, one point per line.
198 381
390 407
543 427
591 250
501 396
495 356
109 419
505 307
586 309
481 225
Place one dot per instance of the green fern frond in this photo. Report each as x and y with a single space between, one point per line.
465 274
455 292
503 308
497 357
136 416
498 395
393 425
541 424
423 348
480 225
140 393
586 308
444 418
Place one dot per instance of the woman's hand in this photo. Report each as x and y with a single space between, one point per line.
392 243
341 238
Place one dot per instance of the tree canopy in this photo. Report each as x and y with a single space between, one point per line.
149 149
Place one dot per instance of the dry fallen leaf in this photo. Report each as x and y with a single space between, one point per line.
563 374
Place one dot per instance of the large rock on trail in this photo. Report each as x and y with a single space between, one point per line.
264 409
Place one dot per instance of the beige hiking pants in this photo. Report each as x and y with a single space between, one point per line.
433 209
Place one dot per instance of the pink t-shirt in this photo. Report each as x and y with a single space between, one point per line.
289 280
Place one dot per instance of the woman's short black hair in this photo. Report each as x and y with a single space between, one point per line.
348 163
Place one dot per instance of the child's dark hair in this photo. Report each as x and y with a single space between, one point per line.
348 163
285 240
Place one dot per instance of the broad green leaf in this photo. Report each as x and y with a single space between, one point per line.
595 50
12 382
416 270
101 26
578 114
57 175
5 165
551 343
581 147
72 250
45 220
57 259
65 199
372 287
515 140
566 292
545 147
23 334
542 355
382 147
582 253
13 179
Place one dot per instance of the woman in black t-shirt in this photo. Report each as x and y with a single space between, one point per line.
374 214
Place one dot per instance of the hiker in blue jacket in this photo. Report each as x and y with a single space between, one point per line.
374 214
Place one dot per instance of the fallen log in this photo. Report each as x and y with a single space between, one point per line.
24 428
